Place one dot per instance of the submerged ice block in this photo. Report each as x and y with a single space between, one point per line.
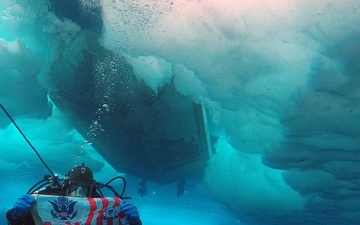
160 137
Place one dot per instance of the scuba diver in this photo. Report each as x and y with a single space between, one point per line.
75 200
181 188
61 204
142 190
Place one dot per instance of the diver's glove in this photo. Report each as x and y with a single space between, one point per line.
22 206
132 213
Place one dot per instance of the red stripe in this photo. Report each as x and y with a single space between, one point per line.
120 214
116 204
105 204
67 223
91 212
110 222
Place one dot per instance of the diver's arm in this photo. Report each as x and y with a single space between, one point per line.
25 220
132 214
138 223
20 214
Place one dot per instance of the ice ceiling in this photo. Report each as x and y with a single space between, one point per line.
279 79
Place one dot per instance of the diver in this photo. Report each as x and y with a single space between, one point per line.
142 190
181 188
79 185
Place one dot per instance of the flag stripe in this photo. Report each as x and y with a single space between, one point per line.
92 210
105 204
115 205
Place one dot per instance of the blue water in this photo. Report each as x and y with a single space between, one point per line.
278 78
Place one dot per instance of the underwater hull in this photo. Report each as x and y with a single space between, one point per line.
160 137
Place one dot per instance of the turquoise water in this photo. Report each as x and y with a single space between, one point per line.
278 80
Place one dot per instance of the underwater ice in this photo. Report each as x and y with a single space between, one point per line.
279 79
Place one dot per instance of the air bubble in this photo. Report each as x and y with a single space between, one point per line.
106 107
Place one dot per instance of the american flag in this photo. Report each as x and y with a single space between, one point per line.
63 210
